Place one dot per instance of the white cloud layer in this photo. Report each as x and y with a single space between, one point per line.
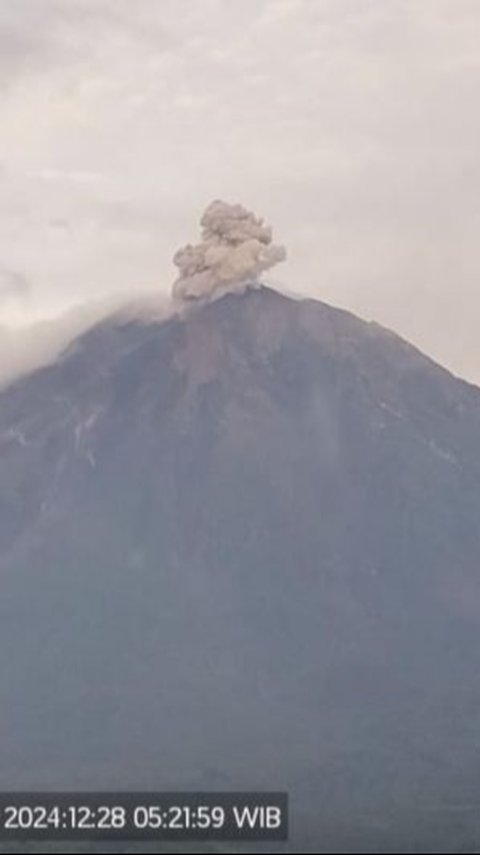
351 124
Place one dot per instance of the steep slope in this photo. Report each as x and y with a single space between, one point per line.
241 548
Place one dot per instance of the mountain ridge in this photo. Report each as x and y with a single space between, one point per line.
242 545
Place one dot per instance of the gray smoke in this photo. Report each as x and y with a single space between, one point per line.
236 248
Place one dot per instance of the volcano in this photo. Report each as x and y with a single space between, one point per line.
239 549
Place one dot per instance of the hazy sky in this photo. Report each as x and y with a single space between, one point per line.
353 126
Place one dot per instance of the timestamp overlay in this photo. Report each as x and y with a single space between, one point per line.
242 816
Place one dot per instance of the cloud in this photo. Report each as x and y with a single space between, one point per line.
33 345
352 124
13 285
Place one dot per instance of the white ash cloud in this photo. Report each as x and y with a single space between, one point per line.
236 248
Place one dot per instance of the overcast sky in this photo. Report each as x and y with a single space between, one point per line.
353 126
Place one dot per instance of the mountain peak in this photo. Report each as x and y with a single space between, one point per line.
261 509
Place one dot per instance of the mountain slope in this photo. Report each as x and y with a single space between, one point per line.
240 548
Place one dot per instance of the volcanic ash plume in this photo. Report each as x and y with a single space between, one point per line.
236 248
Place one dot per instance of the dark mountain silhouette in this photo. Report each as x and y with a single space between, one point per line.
239 548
